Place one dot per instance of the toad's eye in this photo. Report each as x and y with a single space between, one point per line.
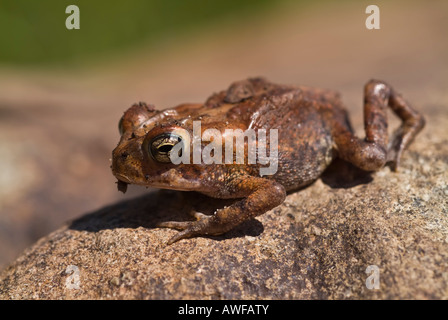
120 126
160 147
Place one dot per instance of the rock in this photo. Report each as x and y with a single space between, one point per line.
317 245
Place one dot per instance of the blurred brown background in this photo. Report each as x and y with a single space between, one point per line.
63 91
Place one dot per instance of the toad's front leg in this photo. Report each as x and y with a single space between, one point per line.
259 195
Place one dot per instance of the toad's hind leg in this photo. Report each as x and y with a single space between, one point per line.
374 151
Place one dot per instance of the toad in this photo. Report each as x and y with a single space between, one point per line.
312 129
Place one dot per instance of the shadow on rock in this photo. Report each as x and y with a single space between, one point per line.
342 174
165 205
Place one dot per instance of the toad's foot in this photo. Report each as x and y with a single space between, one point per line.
259 195
204 225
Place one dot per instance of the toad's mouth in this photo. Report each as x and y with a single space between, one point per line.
122 186
122 182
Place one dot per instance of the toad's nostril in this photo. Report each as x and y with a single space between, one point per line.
124 155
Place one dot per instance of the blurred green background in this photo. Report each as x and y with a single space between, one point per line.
34 33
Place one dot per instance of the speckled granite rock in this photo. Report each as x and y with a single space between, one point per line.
317 245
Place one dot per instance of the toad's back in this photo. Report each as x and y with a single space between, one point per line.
304 117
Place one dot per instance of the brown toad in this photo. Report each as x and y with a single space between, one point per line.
312 129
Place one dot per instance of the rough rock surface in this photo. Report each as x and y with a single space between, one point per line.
317 245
